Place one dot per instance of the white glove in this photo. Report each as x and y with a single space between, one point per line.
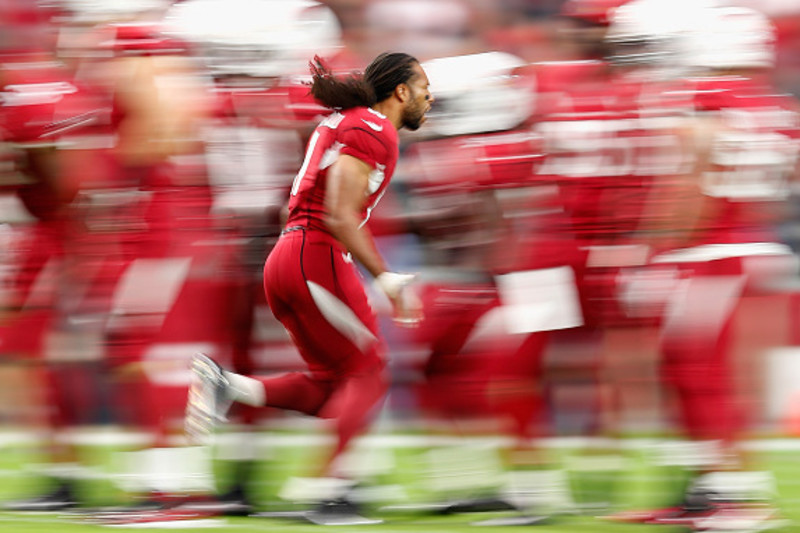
392 283
407 306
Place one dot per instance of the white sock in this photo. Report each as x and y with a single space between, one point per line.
246 390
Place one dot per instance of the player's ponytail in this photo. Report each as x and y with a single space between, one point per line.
377 83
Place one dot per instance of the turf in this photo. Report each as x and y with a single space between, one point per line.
598 483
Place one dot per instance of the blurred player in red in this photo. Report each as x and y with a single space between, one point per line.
610 132
145 226
617 149
44 109
573 192
607 134
470 185
720 242
310 278
587 199
265 115
173 292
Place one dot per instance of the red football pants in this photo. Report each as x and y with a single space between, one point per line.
315 290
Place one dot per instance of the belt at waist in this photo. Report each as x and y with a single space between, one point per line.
291 229
312 235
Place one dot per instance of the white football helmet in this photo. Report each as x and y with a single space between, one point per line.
651 32
477 93
263 38
730 38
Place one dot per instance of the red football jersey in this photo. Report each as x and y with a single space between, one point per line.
42 105
606 140
753 157
41 102
360 132
554 79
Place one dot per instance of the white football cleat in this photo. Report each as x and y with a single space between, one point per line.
208 399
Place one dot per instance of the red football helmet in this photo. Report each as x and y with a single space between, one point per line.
593 11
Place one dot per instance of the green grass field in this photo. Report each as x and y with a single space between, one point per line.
599 480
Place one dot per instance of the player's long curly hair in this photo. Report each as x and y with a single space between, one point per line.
376 84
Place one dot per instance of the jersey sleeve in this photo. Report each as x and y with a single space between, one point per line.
365 143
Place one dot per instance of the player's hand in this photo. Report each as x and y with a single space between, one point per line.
407 305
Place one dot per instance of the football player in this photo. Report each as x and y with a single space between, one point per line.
722 245
44 108
256 53
310 279
150 216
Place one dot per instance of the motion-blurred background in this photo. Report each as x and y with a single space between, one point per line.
602 208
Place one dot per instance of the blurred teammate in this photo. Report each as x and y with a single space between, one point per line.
254 145
310 279
147 229
44 109
721 245
470 185
555 182
607 135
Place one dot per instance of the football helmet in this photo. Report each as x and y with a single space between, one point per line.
478 93
260 38
650 32
732 37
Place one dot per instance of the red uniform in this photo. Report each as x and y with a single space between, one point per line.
314 288
41 105
753 158
608 141
308 259
474 190
148 223
362 133
44 112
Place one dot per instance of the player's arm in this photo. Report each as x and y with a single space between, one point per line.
348 179
163 102
695 205
681 204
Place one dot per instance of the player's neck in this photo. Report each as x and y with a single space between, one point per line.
391 111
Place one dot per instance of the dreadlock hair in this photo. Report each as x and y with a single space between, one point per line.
376 84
